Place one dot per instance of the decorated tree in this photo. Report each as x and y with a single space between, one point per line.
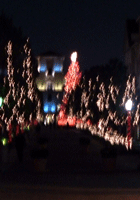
30 102
73 75
9 32
107 114
72 79
21 103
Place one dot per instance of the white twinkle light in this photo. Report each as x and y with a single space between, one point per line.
128 105
74 56
104 98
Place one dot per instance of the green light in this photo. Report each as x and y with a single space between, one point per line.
4 141
26 127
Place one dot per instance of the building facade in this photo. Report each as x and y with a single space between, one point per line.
50 83
132 49
132 57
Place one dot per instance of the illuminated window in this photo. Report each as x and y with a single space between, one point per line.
57 68
46 108
53 108
41 85
43 68
58 86
49 107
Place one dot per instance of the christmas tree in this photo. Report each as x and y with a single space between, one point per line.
72 79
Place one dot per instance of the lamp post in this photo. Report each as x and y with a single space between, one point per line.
128 107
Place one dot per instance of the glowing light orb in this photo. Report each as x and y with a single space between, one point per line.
4 141
1 101
53 108
74 56
128 105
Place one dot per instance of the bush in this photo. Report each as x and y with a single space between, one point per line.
109 152
84 141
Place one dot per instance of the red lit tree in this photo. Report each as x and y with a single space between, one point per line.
73 75
72 79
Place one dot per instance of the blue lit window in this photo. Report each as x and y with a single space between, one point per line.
49 107
53 108
43 68
46 108
57 68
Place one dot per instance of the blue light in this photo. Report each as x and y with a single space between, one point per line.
57 68
43 68
46 108
49 107
1 101
53 108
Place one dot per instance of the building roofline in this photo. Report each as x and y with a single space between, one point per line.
50 54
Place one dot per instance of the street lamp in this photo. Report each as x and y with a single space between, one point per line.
128 107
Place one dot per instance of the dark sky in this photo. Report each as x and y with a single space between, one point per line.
93 28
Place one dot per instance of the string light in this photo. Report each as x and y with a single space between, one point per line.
72 79
16 98
103 129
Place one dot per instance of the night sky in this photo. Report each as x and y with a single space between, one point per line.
93 28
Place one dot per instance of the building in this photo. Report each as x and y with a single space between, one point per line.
50 82
132 49
132 56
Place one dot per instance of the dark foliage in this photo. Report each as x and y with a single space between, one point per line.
84 141
109 152
39 153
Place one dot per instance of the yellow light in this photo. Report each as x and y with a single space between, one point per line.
58 87
41 86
